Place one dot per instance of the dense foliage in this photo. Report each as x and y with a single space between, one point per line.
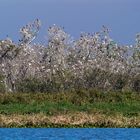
92 61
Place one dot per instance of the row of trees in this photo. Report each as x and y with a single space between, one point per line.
92 61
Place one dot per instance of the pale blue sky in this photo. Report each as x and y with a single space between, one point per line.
121 16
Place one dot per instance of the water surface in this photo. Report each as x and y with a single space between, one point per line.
69 134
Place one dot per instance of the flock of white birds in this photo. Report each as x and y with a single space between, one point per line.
93 60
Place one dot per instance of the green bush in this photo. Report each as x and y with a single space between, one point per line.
119 81
31 85
136 85
2 86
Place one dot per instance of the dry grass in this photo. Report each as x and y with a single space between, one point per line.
79 119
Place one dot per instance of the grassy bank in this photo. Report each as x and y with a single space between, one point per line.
72 109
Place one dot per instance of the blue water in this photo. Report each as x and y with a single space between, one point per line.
69 134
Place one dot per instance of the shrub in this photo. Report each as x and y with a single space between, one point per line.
2 86
136 84
31 85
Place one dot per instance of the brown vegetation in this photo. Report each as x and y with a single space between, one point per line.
77 119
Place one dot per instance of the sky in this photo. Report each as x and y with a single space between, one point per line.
122 17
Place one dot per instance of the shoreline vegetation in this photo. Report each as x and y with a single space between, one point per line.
83 108
90 81
75 120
